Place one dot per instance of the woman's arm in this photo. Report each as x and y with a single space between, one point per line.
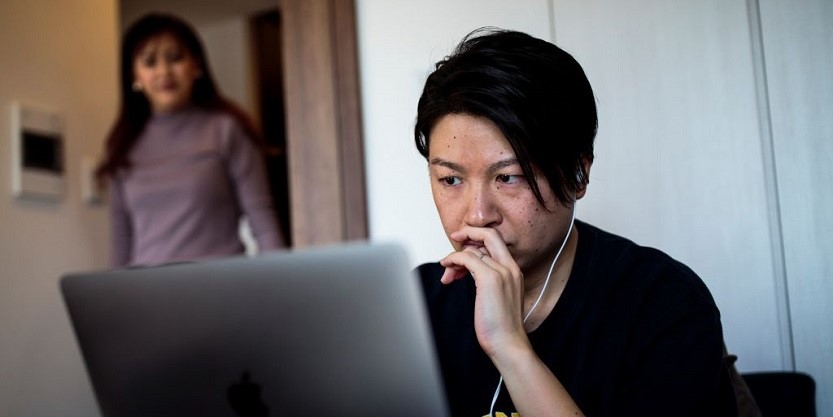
248 173
121 231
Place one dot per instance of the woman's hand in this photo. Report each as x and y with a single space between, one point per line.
498 305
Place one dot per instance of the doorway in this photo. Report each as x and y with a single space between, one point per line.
268 79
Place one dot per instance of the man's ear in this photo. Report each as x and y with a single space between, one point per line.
586 162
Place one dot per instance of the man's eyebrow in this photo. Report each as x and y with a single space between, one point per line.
448 164
459 168
508 162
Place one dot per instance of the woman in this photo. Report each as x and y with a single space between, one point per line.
536 313
182 162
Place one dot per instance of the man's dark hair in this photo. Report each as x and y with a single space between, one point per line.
536 94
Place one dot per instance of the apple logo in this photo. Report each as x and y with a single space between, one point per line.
244 397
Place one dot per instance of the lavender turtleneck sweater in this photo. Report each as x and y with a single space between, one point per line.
193 174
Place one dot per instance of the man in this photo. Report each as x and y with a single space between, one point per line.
536 313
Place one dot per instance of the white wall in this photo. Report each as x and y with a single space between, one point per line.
678 155
63 58
798 43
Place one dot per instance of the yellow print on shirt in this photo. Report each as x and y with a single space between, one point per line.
499 414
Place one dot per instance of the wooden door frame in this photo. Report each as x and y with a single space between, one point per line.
323 122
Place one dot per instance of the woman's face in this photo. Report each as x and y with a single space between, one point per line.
165 72
476 181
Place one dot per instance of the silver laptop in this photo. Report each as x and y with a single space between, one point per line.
337 331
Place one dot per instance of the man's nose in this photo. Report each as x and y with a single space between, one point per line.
483 210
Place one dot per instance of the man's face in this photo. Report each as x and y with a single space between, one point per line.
476 181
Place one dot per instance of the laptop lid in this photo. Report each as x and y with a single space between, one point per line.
335 331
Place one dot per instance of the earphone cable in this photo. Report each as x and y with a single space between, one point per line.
538 300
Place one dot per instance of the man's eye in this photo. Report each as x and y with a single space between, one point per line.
450 180
508 179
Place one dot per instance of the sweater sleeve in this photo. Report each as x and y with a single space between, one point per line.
248 174
121 231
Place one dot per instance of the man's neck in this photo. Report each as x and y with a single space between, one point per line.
557 282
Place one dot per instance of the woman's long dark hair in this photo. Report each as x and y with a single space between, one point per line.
135 109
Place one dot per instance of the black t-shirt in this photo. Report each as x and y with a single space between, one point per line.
634 333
